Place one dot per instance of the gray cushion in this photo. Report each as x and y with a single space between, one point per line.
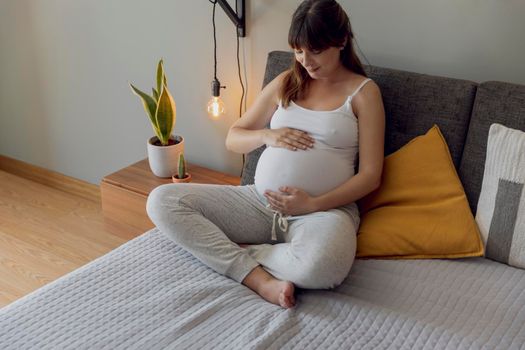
413 104
496 102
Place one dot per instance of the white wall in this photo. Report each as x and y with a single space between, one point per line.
65 65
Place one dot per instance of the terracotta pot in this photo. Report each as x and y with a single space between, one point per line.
175 179
163 160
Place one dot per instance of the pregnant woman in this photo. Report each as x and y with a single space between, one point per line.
299 218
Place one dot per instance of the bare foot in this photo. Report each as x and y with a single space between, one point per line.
270 288
278 292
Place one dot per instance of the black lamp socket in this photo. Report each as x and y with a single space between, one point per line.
216 88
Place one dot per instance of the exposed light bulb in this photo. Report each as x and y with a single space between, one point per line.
215 107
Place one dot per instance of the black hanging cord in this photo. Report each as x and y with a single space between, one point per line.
214 2
242 96
240 77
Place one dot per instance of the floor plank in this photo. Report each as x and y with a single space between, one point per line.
46 233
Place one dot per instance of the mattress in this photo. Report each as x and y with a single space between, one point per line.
151 294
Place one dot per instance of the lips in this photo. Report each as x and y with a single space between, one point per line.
311 70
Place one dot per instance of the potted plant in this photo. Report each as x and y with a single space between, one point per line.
182 175
164 148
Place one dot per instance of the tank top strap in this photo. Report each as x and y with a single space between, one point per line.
360 86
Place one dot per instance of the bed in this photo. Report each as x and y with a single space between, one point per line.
151 294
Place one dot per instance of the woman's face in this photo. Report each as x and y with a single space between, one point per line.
319 64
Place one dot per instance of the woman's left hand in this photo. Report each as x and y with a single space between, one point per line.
291 201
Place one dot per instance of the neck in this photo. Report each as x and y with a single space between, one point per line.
339 74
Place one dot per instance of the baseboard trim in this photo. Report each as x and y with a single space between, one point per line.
50 178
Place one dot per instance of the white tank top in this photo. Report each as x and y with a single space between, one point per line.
317 170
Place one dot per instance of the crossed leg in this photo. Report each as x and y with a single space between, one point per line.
318 251
207 220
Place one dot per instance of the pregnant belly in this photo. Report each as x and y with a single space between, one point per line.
316 171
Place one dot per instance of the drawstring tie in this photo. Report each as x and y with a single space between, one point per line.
281 220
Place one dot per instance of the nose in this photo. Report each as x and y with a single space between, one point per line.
307 60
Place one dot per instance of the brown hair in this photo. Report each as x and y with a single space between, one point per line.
317 25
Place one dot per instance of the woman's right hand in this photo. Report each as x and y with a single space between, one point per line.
292 139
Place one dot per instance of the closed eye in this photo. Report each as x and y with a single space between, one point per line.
313 52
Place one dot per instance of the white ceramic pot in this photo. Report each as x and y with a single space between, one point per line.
163 160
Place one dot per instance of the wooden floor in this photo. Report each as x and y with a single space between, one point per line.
46 233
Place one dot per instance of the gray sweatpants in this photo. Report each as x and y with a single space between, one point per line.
314 251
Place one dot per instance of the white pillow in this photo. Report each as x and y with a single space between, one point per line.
501 207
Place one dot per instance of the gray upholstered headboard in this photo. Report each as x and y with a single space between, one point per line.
413 104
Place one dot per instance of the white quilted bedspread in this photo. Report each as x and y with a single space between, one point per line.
151 294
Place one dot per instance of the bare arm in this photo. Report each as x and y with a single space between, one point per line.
247 133
371 114
250 132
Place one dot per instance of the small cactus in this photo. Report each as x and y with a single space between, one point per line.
182 167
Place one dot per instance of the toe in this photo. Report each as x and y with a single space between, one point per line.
282 301
291 301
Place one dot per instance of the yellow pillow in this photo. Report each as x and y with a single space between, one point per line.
420 210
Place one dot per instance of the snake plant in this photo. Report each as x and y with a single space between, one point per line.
160 106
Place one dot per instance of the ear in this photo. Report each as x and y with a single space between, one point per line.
344 44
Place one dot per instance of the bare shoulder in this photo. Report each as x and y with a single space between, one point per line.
370 90
273 87
369 96
355 80
262 109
